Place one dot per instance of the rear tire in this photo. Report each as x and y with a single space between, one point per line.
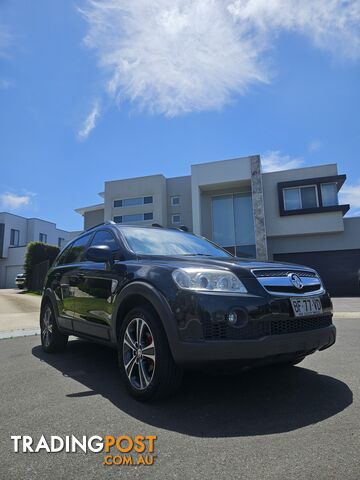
146 364
52 340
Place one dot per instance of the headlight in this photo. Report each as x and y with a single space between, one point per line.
208 280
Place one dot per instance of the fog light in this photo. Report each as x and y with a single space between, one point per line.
232 318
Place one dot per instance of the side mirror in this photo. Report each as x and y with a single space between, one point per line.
100 254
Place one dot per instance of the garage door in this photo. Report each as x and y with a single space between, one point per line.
11 273
339 269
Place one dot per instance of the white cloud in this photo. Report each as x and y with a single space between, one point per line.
350 194
13 201
331 25
90 121
274 161
181 56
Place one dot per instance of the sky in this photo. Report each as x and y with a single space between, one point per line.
102 90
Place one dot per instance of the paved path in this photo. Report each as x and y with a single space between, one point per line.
18 312
300 423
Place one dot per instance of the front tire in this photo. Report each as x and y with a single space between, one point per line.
146 365
52 340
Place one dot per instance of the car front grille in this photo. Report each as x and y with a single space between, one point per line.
283 273
279 282
260 328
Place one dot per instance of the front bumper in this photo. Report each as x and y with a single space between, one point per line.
270 328
302 343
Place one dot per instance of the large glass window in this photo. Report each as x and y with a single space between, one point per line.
130 202
14 237
329 194
300 197
134 217
153 241
223 220
233 223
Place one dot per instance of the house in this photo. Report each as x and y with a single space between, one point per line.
290 215
15 233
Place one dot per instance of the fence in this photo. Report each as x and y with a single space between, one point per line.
36 282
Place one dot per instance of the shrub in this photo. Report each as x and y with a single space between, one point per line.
38 252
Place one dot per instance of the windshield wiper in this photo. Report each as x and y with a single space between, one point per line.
195 255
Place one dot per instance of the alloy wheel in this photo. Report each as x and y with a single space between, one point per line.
139 353
47 327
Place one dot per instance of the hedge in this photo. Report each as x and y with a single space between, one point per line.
38 252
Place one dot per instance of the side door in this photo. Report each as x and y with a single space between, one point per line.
60 283
95 290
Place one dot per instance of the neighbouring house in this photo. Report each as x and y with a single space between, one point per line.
15 234
290 215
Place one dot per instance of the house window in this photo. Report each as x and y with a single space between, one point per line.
329 194
14 237
299 198
175 218
131 202
43 237
61 242
175 200
233 223
135 217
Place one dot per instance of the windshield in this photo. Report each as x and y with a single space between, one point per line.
148 241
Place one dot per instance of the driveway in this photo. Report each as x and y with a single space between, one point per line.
19 312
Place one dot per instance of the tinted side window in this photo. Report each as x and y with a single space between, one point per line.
77 249
104 237
62 259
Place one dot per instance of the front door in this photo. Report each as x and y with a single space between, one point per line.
94 293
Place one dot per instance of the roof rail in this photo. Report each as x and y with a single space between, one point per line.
108 222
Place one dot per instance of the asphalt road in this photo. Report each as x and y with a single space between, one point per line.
301 422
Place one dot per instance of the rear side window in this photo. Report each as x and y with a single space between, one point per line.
77 249
104 237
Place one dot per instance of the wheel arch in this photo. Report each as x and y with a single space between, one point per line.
48 296
140 293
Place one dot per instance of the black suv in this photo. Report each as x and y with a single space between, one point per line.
168 299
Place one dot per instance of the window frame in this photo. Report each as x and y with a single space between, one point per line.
172 219
14 243
300 198
321 191
232 248
145 201
43 235
133 214
337 179
172 199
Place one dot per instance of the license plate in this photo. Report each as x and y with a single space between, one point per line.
306 306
